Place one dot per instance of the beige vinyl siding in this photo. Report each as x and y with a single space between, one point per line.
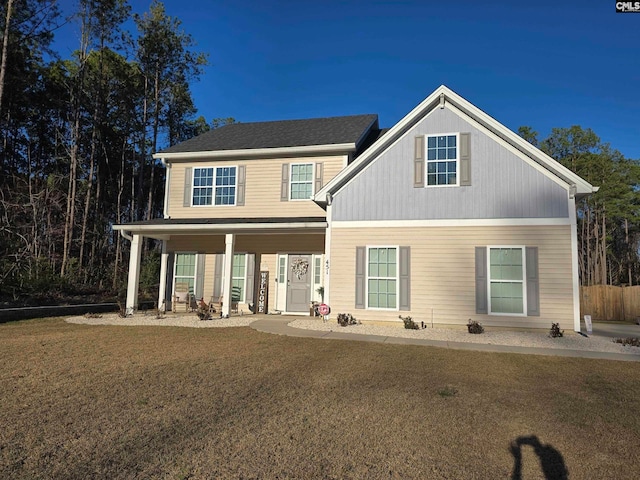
443 272
267 246
262 184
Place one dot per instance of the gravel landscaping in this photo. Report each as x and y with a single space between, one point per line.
570 340
171 320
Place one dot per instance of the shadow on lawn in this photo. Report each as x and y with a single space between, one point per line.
551 461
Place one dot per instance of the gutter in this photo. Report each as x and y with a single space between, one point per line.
258 152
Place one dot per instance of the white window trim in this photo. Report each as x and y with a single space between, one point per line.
213 193
281 275
175 267
427 161
397 278
244 277
524 281
312 181
316 271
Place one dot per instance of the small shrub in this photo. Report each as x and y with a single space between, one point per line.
203 312
448 391
409 324
122 310
345 319
475 327
555 331
629 341
92 315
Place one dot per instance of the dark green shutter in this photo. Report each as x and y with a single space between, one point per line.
284 186
482 305
187 187
199 288
361 276
465 159
533 283
240 188
405 278
418 162
251 268
217 276
318 179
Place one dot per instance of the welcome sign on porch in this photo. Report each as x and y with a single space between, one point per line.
263 293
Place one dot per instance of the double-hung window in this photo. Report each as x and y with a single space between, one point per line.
214 186
442 160
301 183
185 270
382 277
506 280
238 276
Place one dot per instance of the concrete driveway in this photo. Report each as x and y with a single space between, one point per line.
615 330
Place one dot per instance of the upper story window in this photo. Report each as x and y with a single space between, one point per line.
442 160
301 183
214 186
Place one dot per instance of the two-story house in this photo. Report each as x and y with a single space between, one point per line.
446 216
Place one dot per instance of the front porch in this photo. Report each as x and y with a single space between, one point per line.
248 266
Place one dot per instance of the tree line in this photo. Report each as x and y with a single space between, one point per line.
77 136
608 220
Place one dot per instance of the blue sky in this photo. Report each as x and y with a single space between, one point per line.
544 64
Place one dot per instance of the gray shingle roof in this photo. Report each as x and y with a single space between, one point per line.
283 133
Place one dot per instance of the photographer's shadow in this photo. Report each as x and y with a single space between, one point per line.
551 461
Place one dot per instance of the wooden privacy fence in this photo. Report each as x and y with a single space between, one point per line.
610 303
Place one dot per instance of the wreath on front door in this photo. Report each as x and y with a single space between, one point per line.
299 267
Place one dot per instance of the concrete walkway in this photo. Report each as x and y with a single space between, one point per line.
278 325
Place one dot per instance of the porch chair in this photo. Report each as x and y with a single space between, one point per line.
216 302
235 298
193 303
181 295
215 305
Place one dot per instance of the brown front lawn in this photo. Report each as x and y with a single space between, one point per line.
81 402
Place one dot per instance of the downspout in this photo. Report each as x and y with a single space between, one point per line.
167 180
126 235
574 256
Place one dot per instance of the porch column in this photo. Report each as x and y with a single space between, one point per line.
164 257
229 241
134 274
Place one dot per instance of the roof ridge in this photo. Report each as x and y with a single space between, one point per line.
301 119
